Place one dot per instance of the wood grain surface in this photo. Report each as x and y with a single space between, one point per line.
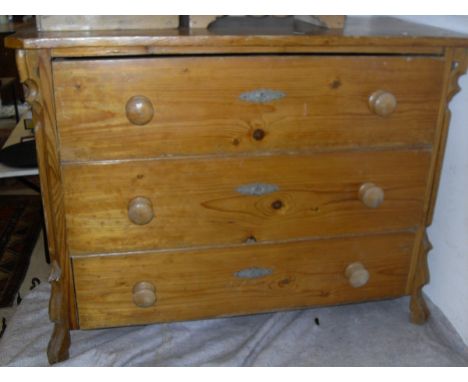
198 201
161 50
35 69
204 283
198 109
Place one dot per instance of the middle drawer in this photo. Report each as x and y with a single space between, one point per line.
168 203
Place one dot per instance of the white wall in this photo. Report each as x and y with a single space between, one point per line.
455 23
448 261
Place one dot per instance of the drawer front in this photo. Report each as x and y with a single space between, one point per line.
116 290
168 203
129 108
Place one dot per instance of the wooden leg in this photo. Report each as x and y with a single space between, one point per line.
59 343
418 307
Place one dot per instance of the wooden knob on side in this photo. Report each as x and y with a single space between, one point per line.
139 110
371 195
357 275
144 294
30 91
140 210
382 103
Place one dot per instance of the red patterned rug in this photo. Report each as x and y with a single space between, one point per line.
20 224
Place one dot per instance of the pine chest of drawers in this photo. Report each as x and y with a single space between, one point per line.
188 176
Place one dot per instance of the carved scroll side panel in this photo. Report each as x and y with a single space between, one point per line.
459 68
34 67
458 61
456 66
418 307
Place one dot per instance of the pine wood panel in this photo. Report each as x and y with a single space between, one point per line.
203 283
196 202
197 109
35 72
164 50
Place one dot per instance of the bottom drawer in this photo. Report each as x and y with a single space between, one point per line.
194 284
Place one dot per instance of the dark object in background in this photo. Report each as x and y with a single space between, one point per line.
269 25
4 325
8 86
20 224
21 154
7 56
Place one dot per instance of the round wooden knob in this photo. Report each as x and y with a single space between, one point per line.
371 195
30 91
140 210
139 110
357 275
144 294
382 103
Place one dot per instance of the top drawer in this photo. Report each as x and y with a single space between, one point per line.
148 107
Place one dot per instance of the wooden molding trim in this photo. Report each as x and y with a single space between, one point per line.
458 61
456 66
418 307
459 67
35 68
